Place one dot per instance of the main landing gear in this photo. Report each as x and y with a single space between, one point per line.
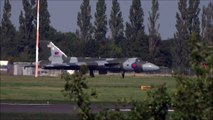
91 73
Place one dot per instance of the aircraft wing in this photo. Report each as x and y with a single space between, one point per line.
76 66
70 66
112 64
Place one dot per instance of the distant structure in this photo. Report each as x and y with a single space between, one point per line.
19 68
3 65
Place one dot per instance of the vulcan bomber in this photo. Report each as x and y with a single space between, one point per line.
53 58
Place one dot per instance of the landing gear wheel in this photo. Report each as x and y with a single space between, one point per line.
91 73
123 74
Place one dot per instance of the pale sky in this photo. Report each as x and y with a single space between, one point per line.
64 13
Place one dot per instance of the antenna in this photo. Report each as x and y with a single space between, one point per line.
37 40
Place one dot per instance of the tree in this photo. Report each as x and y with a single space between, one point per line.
101 27
193 22
77 90
27 19
83 21
116 23
90 49
44 26
207 24
26 34
0 39
181 35
154 106
8 43
159 102
136 43
187 22
193 98
164 53
153 27
85 27
69 43
117 29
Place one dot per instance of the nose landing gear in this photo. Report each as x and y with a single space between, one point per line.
123 74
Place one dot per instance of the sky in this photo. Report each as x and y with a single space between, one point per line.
64 13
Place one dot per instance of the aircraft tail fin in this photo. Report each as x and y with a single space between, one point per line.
48 51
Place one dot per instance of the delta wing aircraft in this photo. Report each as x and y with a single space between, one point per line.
54 58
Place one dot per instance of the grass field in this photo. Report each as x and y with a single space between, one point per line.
109 88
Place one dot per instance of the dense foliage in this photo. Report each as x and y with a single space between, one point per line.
194 96
187 22
100 30
153 27
26 33
7 34
76 88
117 30
85 28
207 24
135 36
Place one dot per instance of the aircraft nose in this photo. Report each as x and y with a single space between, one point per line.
150 67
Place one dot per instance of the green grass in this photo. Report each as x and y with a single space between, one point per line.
109 88
38 116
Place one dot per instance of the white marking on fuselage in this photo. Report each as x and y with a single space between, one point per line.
108 59
73 59
127 65
81 63
101 63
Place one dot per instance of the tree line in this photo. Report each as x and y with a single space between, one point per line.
126 39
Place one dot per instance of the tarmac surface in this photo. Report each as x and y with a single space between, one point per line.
36 108
53 108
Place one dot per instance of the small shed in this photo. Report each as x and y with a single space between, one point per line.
23 68
3 65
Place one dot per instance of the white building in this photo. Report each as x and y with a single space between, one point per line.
23 68
3 65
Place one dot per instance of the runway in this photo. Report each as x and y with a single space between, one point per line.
53 108
58 108
36 108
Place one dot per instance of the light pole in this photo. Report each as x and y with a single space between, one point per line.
37 39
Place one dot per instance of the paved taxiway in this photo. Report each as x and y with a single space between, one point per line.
53 108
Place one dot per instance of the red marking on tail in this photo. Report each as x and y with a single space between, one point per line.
57 54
